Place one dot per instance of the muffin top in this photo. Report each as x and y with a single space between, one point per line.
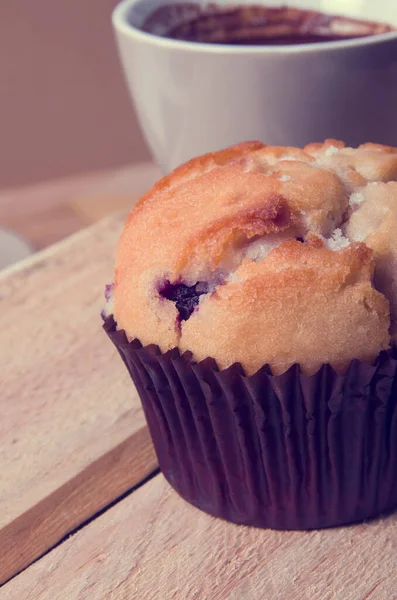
265 255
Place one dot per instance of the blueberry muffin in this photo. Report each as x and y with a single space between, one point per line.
256 255
253 271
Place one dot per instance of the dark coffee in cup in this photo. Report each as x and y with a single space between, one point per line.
255 25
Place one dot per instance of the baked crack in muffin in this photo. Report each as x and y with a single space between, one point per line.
255 286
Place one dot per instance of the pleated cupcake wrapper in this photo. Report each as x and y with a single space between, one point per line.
282 452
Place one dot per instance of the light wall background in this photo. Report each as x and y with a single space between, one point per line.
64 107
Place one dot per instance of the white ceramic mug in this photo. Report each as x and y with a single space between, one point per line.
193 98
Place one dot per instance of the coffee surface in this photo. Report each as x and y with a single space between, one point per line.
255 25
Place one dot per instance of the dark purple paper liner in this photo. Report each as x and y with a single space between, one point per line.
282 452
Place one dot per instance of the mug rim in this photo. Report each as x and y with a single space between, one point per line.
122 25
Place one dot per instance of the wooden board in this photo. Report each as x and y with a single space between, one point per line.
154 545
48 212
72 433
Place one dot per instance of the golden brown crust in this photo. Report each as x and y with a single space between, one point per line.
375 223
303 304
199 165
218 220
368 162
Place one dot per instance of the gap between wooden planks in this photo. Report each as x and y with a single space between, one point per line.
72 432
154 545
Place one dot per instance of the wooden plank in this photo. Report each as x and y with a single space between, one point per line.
154 545
132 180
72 432
48 212
92 209
46 227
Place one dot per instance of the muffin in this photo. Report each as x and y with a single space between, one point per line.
255 305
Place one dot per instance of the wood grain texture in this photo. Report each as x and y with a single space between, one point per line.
72 432
154 545
48 212
41 228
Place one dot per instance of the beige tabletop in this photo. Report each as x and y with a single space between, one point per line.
46 213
